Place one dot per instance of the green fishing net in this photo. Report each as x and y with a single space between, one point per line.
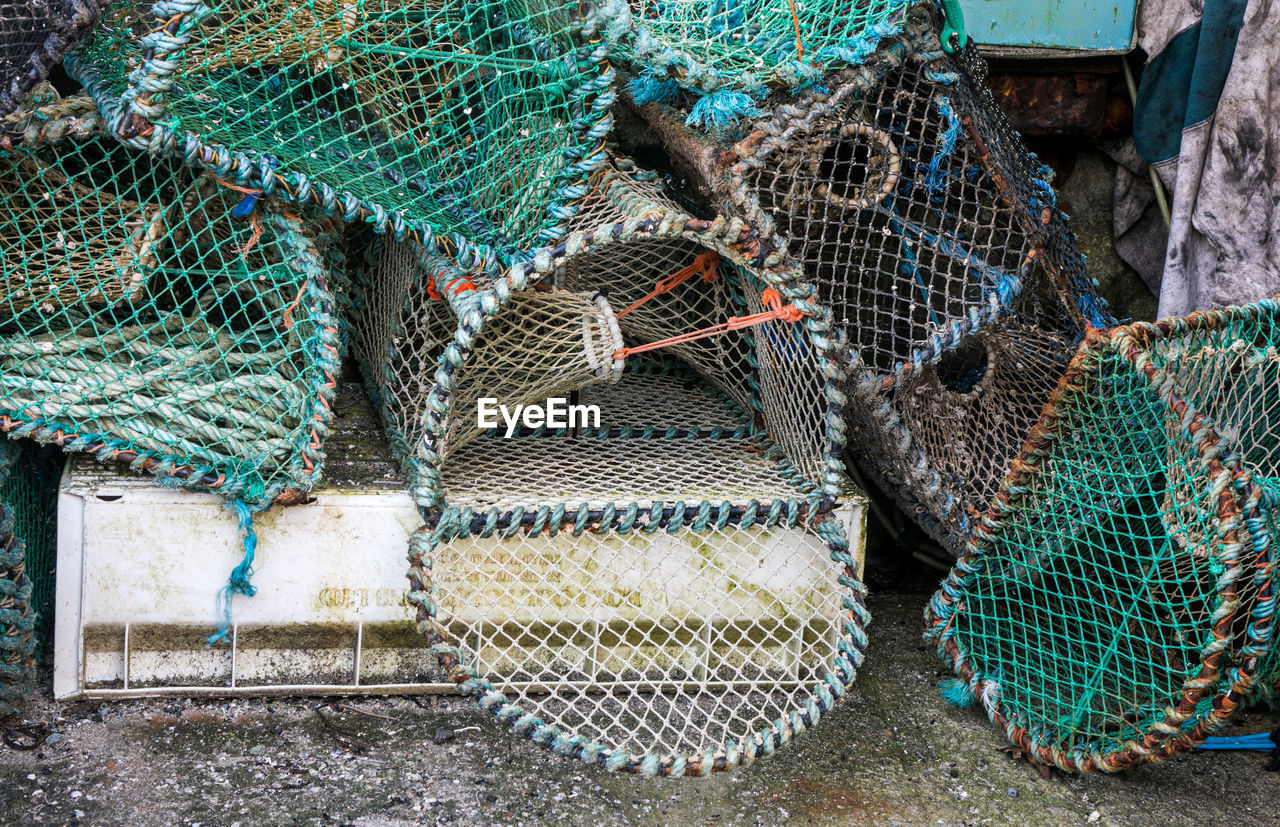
728 54
155 317
1116 601
17 608
467 126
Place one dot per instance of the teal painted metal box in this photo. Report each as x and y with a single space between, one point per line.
1073 25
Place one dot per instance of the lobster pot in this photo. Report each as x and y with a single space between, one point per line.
1116 604
940 440
638 237
664 645
28 486
901 194
468 126
913 211
149 320
431 357
722 60
34 36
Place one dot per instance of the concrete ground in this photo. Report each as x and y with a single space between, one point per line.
894 753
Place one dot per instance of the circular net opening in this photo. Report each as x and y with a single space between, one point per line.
961 370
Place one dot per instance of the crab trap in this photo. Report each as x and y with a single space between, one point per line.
469 127
666 587
34 37
932 234
28 478
1116 605
149 318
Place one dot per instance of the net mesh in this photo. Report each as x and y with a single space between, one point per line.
431 360
469 127
700 462
34 37
641 647
732 52
934 236
1113 605
17 615
31 492
149 320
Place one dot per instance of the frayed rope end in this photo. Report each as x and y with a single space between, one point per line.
239 581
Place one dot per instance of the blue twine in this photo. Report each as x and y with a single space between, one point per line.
720 110
651 89
238 583
246 205
934 178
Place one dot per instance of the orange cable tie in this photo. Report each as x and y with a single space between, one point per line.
704 265
776 312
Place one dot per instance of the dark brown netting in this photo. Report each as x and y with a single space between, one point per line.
34 36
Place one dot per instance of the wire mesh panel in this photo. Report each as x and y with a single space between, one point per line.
149 318
34 37
1115 602
469 127
648 274
671 642
726 56
933 235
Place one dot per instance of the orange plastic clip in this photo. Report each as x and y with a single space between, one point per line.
704 265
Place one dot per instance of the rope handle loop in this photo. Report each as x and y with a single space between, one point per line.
704 265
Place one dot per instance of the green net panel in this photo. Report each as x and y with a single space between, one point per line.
715 458
17 614
1115 602
469 127
149 318
725 56
34 37
31 491
902 194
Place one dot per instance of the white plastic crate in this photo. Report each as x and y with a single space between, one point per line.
139 567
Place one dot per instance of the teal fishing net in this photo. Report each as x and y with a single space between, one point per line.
1116 605
468 127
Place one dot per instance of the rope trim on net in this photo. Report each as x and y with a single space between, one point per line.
77 18
306 459
74 117
734 241
721 96
1241 525
138 118
820 699
17 619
